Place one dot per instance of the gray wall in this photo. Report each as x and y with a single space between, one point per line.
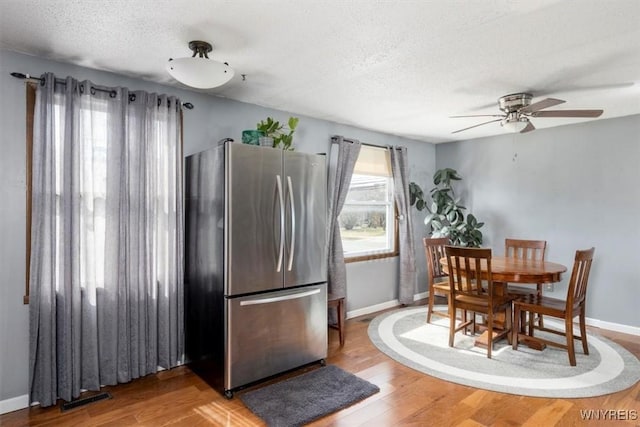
575 186
213 118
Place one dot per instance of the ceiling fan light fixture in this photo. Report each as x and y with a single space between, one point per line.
199 71
514 125
517 109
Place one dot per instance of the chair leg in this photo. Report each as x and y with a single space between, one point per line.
509 325
568 324
490 337
540 318
474 327
452 324
531 319
516 327
430 305
465 317
341 321
583 331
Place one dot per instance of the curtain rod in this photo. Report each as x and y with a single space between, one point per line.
187 105
334 141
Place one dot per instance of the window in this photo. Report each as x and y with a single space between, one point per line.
93 118
92 193
367 221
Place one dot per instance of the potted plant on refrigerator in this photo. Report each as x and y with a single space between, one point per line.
281 135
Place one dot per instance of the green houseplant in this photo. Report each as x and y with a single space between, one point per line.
282 136
446 216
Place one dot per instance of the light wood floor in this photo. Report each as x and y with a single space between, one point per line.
407 398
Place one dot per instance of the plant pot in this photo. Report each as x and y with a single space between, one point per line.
266 141
251 136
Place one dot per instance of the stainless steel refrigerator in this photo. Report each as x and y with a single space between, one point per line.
256 263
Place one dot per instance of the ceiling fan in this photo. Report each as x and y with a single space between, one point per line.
518 109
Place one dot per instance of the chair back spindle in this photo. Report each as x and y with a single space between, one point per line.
577 291
434 251
438 279
467 271
525 249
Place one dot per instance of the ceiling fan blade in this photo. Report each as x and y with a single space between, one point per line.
567 113
478 115
545 103
529 128
480 124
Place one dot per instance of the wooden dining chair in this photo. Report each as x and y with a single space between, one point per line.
466 292
525 249
338 303
572 306
438 279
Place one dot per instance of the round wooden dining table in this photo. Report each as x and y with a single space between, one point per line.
515 270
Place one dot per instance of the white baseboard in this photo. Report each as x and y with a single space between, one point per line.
610 326
372 308
616 327
14 404
382 306
422 295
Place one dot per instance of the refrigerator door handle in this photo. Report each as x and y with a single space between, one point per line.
281 297
292 245
281 200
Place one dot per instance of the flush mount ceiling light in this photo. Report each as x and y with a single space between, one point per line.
198 70
514 123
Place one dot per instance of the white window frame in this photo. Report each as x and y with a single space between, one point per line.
391 228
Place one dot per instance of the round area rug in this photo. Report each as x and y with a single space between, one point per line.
405 336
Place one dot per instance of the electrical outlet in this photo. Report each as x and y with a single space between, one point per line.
548 287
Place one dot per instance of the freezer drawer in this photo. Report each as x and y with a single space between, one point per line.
273 332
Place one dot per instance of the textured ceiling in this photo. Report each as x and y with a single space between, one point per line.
400 67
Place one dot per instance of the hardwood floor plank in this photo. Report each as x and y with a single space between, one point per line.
469 423
355 415
126 420
549 415
217 413
178 397
477 398
80 418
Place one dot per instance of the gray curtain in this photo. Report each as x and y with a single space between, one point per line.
344 154
107 242
407 279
